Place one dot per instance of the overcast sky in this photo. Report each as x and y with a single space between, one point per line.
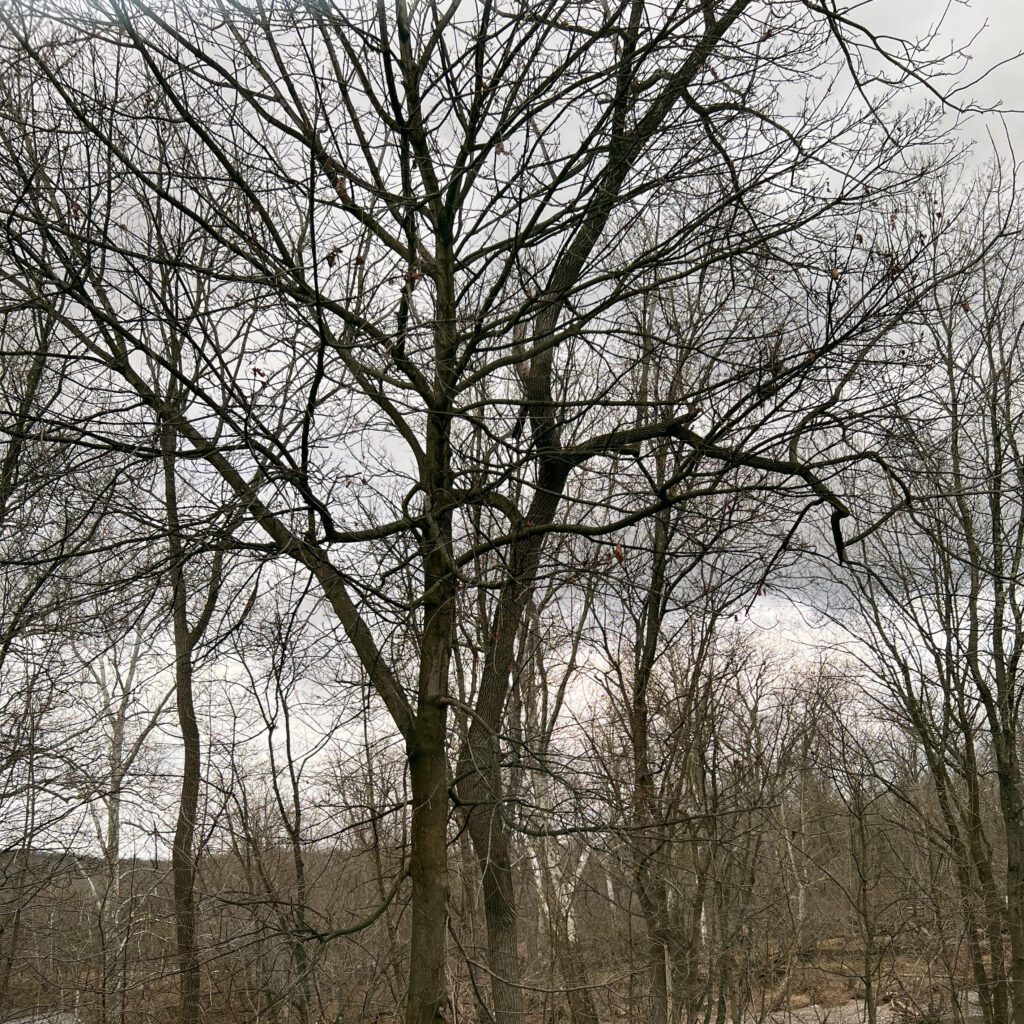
1001 27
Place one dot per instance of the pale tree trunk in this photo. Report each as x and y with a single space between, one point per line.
970 847
860 843
289 806
556 885
106 894
582 1009
116 952
117 686
391 969
557 895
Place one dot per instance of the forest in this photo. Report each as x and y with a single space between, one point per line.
510 512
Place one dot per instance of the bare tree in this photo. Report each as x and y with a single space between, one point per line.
937 595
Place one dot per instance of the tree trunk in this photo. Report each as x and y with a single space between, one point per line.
491 845
1010 805
652 897
182 849
581 1002
428 867
651 888
479 766
182 852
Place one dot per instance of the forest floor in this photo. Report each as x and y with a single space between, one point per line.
854 1011
56 1017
